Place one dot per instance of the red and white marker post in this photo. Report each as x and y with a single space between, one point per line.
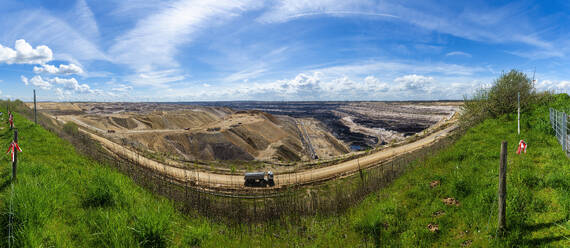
13 150
522 147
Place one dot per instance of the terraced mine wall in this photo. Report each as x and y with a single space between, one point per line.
407 118
330 197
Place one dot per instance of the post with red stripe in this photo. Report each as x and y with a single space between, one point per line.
13 150
522 147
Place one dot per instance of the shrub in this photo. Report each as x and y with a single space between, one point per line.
71 128
503 94
500 99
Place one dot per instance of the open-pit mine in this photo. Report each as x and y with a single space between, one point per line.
228 139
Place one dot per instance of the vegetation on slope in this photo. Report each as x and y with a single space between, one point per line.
62 199
538 190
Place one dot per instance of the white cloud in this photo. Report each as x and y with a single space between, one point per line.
415 82
24 53
72 85
61 94
556 86
37 81
458 53
69 84
122 88
309 86
375 83
62 69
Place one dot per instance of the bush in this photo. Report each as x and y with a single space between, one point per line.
503 94
500 99
71 128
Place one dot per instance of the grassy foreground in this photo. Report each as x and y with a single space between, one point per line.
62 199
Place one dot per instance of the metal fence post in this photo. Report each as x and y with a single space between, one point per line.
564 131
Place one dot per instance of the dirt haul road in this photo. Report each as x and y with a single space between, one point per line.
224 181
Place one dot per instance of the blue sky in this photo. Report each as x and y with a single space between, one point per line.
182 50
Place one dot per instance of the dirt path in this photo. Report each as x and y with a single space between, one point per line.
212 179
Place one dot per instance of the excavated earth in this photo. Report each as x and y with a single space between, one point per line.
263 131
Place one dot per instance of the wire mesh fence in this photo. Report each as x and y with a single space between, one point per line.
291 202
559 122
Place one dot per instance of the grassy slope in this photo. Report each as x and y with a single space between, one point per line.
538 190
64 199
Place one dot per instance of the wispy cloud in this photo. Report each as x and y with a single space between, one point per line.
458 53
157 78
41 27
155 40
477 22
292 9
397 68
84 20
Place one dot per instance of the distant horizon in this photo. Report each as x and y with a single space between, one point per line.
244 101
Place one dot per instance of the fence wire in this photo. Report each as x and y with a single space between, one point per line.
559 122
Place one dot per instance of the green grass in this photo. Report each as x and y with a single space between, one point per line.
62 199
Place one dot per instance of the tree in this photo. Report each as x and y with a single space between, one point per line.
500 99
503 94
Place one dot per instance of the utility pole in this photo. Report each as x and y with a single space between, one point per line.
35 109
534 72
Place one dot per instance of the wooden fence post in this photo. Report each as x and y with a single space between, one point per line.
503 187
35 109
